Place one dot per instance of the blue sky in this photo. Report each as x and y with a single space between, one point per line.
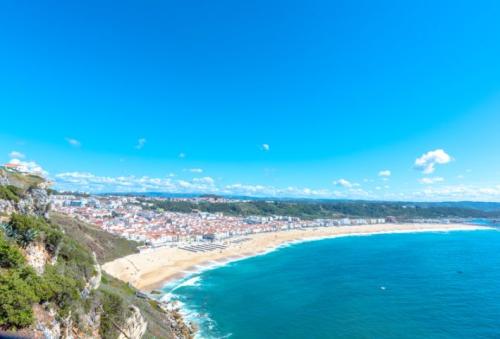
142 95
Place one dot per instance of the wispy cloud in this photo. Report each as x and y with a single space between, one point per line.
140 143
265 147
182 155
89 182
384 173
427 161
194 170
73 142
345 183
430 180
84 181
17 155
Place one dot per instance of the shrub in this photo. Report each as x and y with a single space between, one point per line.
16 299
11 193
61 289
114 311
10 256
24 228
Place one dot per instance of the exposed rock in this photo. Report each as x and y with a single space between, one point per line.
6 207
37 257
179 328
3 178
92 322
36 202
135 326
47 326
95 281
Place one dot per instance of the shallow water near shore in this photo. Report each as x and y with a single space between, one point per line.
421 285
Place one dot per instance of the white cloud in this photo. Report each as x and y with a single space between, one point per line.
182 155
140 143
17 155
265 147
27 167
204 180
459 193
345 183
195 170
430 180
84 181
426 163
73 142
384 173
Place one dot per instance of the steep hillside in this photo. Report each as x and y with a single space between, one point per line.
51 284
106 246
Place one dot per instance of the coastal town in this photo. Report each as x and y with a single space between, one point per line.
132 218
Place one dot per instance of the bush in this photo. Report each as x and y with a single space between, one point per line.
11 193
16 299
24 228
10 256
114 312
60 289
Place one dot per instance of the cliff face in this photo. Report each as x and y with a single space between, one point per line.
36 202
135 326
53 279
31 196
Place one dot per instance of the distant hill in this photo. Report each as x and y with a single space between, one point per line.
312 209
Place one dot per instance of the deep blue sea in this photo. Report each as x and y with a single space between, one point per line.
420 285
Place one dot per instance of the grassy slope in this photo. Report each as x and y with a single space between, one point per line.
106 246
158 327
23 181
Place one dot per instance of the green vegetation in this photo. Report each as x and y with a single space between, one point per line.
16 299
10 255
62 283
26 229
158 327
106 246
59 285
11 193
114 312
322 209
21 180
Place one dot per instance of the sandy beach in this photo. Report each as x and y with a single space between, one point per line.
153 268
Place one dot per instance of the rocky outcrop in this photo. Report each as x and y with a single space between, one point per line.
4 180
95 281
7 207
37 257
36 202
135 326
47 326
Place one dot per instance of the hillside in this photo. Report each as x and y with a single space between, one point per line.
51 284
106 246
327 209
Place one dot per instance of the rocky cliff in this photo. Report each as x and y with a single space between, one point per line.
51 283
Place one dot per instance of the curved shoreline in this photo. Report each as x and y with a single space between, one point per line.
155 268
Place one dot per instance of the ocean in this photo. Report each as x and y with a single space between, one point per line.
417 285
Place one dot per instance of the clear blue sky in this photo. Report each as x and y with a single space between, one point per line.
335 89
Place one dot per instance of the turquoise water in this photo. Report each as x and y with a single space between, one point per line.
422 285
